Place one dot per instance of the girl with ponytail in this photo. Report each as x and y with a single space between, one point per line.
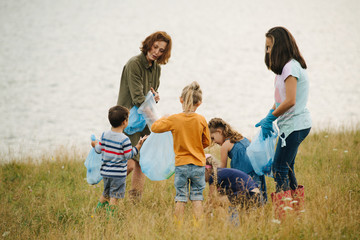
191 135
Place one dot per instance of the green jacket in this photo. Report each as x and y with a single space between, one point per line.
136 80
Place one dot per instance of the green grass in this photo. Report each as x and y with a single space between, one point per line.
50 199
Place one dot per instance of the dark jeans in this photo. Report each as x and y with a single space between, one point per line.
284 160
260 181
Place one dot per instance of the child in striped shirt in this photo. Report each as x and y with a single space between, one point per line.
116 149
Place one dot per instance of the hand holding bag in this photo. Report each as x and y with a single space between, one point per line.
261 152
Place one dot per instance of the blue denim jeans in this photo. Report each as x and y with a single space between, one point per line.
284 160
260 181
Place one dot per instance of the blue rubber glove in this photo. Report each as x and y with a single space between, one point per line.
266 124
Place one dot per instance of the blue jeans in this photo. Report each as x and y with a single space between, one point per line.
260 181
192 175
284 160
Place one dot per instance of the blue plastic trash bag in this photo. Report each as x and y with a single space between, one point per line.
93 164
137 122
149 109
157 156
261 152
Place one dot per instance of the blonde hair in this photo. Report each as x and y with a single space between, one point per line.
191 95
227 130
214 163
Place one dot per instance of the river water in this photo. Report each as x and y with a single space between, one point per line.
61 61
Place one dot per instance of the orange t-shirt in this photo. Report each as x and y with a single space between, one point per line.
191 135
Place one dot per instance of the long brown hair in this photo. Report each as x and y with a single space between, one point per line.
191 96
158 36
283 50
227 130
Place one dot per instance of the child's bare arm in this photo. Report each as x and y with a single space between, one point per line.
141 141
224 156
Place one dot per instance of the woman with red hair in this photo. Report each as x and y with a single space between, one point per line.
140 75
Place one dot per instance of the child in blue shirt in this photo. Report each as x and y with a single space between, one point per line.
233 146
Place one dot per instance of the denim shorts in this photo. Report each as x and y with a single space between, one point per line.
189 175
114 187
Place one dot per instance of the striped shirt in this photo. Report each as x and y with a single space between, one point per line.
116 149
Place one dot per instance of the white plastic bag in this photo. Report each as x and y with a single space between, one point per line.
157 156
261 152
149 110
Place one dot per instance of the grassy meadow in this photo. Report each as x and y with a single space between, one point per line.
51 199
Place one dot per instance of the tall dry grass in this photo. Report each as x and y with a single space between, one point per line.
51 200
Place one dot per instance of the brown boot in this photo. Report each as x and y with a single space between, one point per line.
282 202
299 198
